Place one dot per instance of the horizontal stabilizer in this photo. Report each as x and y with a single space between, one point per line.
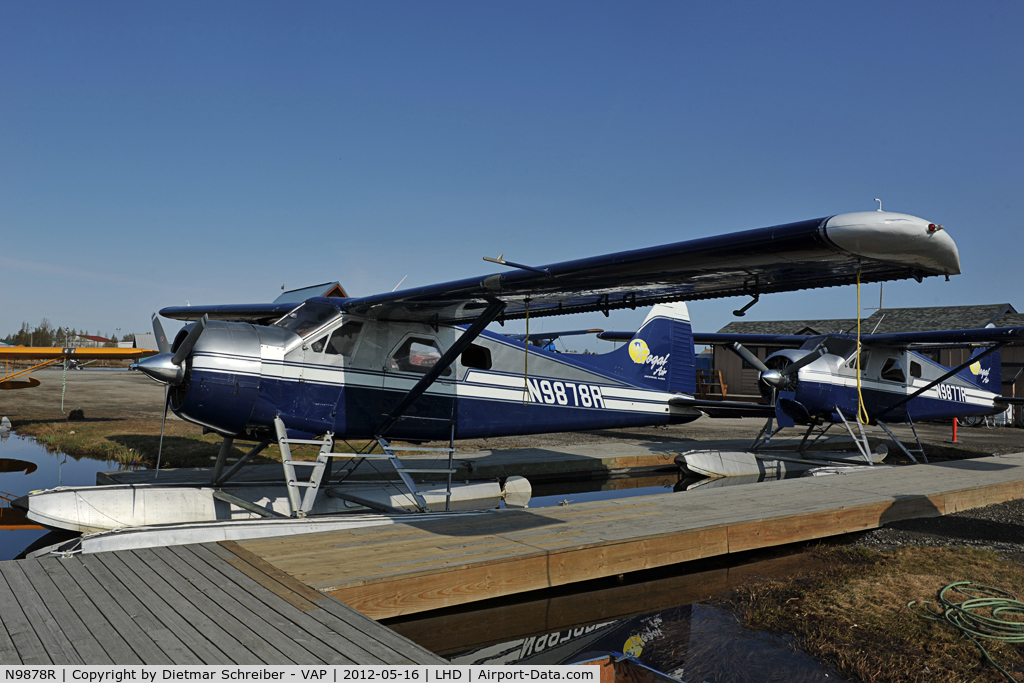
723 408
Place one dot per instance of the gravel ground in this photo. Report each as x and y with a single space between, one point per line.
998 527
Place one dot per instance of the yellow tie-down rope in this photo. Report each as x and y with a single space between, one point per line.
862 412
526 358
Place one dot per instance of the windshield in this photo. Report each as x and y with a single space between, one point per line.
308 317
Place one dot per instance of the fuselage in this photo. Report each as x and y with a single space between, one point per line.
343 374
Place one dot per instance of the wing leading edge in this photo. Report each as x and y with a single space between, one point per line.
823 252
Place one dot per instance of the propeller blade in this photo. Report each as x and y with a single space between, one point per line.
746 355
806 360
193 336
160 449
161 338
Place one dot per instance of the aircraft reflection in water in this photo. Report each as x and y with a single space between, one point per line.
694 643
419 365
14 465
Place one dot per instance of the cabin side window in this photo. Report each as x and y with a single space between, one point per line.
915 369
318 345
418 354
892 371
343 341
478 357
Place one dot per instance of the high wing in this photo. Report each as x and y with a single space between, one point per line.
822 252
931 338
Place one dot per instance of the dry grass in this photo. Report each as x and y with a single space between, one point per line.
853 615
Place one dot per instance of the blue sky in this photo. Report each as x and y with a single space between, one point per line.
153 154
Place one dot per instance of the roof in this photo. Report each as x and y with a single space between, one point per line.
890 320
146 340
1011 320
808 327
297 296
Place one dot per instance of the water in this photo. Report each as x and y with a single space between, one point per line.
667 623
26 466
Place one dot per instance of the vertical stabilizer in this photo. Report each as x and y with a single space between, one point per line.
660 355
986 372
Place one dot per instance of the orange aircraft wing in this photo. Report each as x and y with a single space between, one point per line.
77 353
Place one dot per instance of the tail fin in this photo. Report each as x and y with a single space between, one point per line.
660 354
985 373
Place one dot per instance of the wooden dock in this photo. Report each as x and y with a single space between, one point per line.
197 604
408 568
561 461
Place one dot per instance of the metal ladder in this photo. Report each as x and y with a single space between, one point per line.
404 472
302 504
862 443
909 451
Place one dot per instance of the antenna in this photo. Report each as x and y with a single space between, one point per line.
400 282
879 203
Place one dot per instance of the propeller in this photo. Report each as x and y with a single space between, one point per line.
746 355
161 338
778 378
167 368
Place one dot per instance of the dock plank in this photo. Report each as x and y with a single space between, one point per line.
8 653
57 645
195 648
300 645
29 649
298 610
169 586
72 626
113 608
184 605
365 634
410 567
254 632
119 651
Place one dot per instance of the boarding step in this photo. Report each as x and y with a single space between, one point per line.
302 504
403 473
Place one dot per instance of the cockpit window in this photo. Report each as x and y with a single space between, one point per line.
839 346
418 355
343 341
308 317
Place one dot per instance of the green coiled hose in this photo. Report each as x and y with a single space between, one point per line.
978 616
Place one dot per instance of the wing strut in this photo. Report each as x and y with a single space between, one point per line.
944 377
461 344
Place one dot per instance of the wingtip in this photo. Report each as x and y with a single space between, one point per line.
895 237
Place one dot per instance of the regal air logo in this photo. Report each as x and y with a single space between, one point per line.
641 355
977 370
